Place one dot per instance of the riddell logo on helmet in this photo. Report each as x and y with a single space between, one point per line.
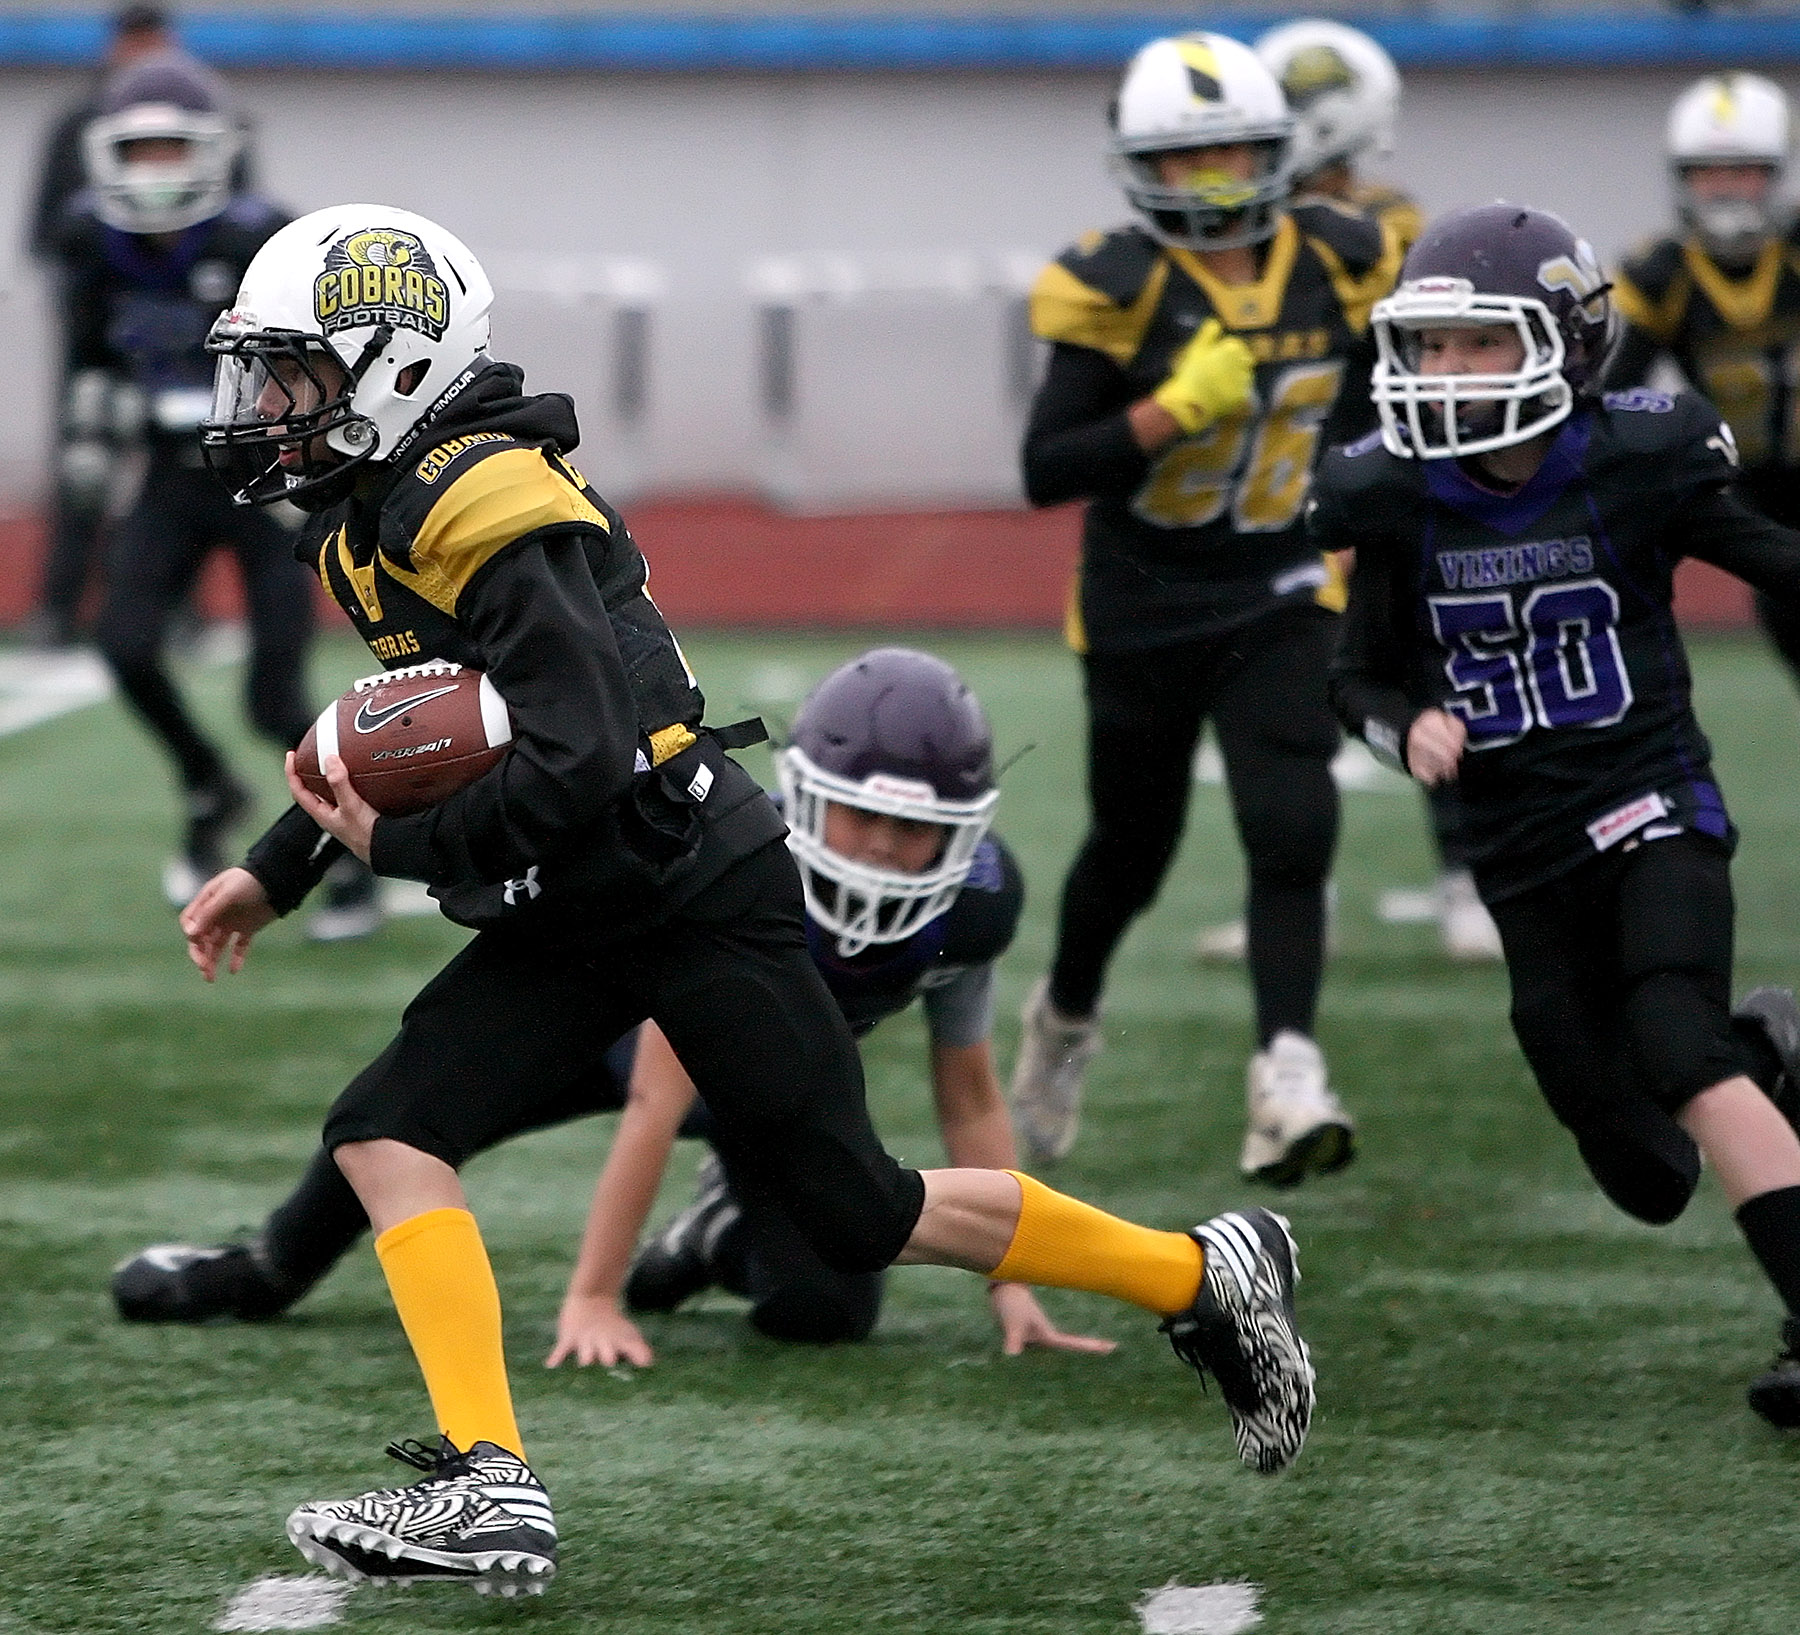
381 276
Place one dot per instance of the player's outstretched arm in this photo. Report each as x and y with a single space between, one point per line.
978 1134
225 914
592 1327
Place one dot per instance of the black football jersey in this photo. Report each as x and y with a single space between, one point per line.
141 305
1734 333
1542 618
973 931
486 548
1208 533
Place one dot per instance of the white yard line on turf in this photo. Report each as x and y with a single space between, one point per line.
39 686
1212 1609
36 686
276 1602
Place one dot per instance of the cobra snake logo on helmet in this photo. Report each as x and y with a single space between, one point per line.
381 276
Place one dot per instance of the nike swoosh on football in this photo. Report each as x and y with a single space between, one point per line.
372 722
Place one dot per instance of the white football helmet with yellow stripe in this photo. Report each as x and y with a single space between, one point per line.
1729 120
1200 91
1342 87
352 328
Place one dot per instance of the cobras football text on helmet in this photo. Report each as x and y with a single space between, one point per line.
1201 91
1494 264
353 328
159 155
895 732
1729 119
1341 86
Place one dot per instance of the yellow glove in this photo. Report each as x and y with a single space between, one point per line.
1211 378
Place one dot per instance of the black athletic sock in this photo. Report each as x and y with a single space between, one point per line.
1770 1223
309 1233
1765 1066
1285 926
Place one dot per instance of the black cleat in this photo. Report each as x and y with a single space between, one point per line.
1241 1330
683 1258
186 1283
480 1516
1776 1394
1767 1021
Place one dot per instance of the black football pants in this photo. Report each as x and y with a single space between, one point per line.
511 1029
181 516
1263 688
1621 983
793 1294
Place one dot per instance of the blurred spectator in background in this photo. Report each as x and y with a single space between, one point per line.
1720 296
149 253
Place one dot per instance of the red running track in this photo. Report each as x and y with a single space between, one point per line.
736 563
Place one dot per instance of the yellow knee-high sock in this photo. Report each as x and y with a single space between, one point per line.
443 1287
1066 1244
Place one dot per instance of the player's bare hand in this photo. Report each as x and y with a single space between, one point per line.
1024 1323
351 819
225 914
1434 747
591 1329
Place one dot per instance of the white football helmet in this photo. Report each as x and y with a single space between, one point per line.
166 100
1196 91
352 328
1342 87
1729 119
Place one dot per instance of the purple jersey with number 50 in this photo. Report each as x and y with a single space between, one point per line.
1542 618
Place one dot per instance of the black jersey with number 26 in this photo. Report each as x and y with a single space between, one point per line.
1542 618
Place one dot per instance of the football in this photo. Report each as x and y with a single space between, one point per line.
409 738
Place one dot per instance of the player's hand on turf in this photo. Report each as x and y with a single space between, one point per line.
1434 746
591 1329
225 914
351 820
1209 380
1023 1323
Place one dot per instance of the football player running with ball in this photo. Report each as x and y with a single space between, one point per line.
1509 628
1196 361
1721 297
617 866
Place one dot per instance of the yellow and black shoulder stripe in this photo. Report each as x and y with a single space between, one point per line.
1360 254
1396 211
1102 293
1652 287
437 536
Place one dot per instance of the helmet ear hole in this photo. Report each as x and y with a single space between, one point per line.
412 377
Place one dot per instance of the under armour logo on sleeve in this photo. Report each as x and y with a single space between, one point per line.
528 884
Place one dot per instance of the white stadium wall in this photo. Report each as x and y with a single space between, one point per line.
643 227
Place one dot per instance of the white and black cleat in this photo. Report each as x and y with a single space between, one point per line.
480 1516
1241 1329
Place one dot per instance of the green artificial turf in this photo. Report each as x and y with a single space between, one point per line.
1531 1410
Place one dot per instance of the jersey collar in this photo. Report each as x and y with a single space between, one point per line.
1446 482
1247 306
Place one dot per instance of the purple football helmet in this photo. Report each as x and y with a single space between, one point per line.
178 110
896 732
1500 264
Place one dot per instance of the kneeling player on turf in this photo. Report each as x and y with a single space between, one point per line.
617 866
888 788
1509 627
